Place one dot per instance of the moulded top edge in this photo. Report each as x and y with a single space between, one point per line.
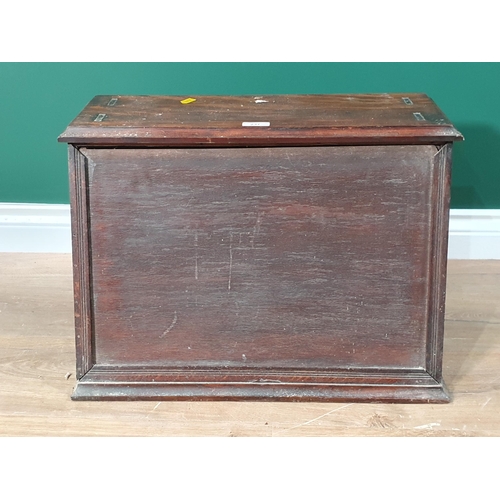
219 120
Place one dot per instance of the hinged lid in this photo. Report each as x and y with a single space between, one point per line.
260 120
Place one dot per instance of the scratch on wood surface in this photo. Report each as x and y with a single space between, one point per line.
484 404
289 159
196 255
318 418
174 321
381 421
256 228
428 426
230 261
157 406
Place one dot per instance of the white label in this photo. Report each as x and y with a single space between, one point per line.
256 124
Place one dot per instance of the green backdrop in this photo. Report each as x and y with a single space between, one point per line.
38 100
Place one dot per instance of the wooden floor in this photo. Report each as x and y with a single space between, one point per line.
37 372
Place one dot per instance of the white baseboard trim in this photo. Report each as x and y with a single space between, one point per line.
474 234
44 228
35 228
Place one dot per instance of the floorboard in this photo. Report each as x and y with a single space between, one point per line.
37 367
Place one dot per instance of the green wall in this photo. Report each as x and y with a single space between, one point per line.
38 100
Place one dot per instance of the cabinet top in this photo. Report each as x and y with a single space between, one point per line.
260 120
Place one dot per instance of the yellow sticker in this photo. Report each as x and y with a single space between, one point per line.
189 100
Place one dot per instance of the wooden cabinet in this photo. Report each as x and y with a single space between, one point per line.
288 247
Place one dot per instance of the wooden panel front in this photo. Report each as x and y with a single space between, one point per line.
293 258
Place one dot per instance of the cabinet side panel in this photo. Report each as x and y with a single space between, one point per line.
438 263
81 261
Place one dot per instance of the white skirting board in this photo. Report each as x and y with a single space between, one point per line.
40 228
474 234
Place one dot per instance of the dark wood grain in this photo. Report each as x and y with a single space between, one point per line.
84 340
261 257
267 272
293 120
278 259
437 266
